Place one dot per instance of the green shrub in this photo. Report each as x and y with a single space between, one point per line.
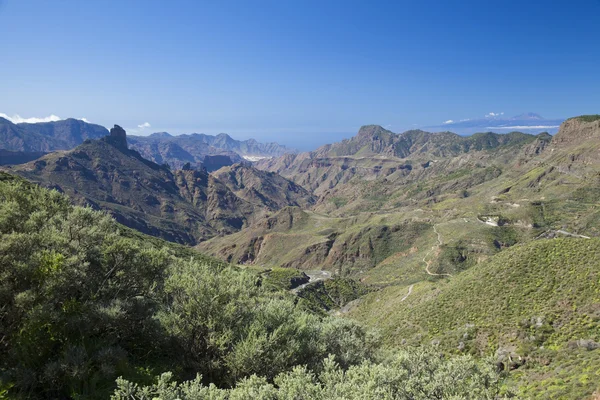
416 375
83 301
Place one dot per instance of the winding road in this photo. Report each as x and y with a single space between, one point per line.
433 249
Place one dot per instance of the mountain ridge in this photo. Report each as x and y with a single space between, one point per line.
181 205
47 136
177 150
32 139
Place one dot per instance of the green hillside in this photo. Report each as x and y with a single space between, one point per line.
476 256
90 308
538 303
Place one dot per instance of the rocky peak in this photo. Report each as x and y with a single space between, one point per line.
371 131
578 130
117 137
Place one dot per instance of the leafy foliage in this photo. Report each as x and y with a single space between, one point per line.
414 375
83 303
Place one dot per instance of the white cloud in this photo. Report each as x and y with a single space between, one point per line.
144 125
493 115
449 122
17 119
84 120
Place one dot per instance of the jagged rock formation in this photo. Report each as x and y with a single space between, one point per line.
185 206
117 137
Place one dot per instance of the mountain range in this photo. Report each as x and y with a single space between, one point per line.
481 245
200 149
185 205
399 181
47 136
452 236
24 142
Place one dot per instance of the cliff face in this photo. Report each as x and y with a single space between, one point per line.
577 131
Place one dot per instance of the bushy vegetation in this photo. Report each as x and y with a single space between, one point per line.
414 375
454 258
86 301
82 304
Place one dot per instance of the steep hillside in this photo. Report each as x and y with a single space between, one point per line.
306 240
183 205
535 306
264 188
47 136
376 154
176 151
478 196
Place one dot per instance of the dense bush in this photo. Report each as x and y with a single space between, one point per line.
414 375
77 297
83 301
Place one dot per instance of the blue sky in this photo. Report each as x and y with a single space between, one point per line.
298 72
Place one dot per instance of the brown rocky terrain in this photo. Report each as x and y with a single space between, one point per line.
185 206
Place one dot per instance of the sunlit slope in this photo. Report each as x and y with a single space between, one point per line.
534 306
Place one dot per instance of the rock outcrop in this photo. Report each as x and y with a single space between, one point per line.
577 130
117 137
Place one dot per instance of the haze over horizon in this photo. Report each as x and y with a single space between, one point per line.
300 75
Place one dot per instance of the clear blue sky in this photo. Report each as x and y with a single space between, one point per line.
286 70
